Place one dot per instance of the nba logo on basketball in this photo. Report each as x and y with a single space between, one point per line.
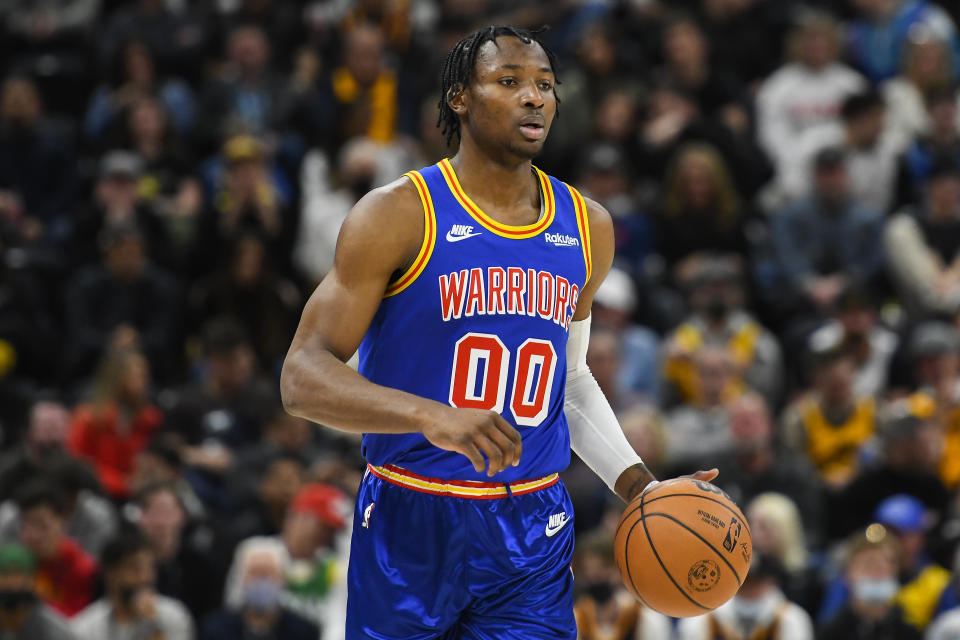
733 534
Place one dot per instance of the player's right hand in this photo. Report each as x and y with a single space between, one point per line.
476 434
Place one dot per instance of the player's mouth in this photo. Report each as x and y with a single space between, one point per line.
532 127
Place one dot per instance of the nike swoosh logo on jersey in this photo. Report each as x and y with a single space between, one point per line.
453 238
555 524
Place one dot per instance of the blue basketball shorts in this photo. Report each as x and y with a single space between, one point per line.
460 560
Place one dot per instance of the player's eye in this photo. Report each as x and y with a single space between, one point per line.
546 86
508 82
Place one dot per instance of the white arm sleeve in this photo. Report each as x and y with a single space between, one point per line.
595 434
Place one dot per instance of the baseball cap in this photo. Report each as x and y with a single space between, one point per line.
934 338
617 291
16 558
328 504
902 418
902 512
121 163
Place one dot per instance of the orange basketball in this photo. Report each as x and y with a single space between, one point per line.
683 548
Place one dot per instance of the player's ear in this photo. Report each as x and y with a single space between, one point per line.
456 98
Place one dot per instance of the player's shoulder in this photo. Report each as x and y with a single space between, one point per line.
597 214
387 222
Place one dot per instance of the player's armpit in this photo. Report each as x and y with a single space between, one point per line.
379 237
601 252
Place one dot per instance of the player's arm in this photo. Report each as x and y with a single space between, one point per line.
381 236
595 433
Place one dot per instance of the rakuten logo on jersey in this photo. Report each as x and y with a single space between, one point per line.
562 240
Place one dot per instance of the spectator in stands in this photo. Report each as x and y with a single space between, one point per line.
615 307
22 615
807 91
871 344
254 598
328 194
167 184
247 199
119 421
717 300
161 463
871 154
871 571
283 434
126 302
831 424
702 209
42 443
65 573
703 426
176 38
248 96
939 142
778 533
758 610
231 403
37 162
190 566
605 359
909 450
827 240
264 513
927 68
91 518
359 97
131 606
117 200
921 246
878 38
316 537
755 466
248 289
687 56
133 77
602 608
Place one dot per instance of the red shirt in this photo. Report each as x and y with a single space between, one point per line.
66 581
95 436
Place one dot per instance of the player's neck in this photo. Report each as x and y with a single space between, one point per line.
502 189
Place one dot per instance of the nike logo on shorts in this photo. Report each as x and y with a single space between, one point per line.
556 522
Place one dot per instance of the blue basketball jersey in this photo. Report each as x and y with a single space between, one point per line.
480 320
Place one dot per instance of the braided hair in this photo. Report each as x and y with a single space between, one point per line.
459 66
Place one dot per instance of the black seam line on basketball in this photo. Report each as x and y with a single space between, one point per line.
656 554
702 539
700 495
626 555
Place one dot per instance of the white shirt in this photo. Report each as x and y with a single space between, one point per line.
96 622
794 622
796 98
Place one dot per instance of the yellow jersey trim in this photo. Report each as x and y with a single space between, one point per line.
583 223
460 488
488 223
429 238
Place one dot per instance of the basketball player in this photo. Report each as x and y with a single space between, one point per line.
467 288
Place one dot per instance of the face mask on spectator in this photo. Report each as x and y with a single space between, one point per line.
262 595
601 591
748 609
873 591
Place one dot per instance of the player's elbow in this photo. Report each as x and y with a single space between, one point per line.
291 395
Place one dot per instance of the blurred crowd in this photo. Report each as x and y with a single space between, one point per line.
784 178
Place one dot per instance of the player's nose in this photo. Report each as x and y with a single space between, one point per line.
532 96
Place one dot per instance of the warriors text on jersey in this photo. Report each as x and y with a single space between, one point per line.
480 321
